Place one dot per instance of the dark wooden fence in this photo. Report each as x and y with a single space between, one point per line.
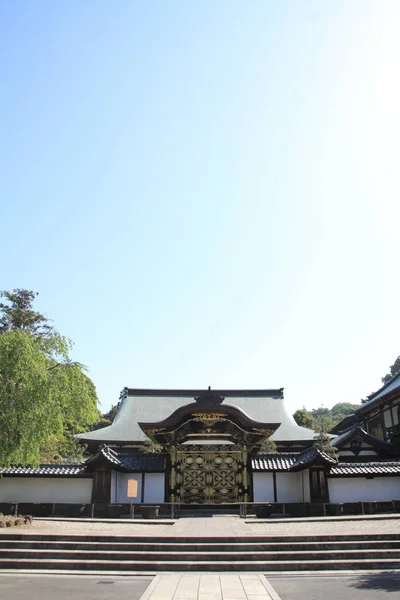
262 510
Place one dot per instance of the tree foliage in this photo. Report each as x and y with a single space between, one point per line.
44 396
303 418
323 440
106 418
311 418
394 370
268 446
17 314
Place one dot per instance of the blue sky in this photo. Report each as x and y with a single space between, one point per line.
207 193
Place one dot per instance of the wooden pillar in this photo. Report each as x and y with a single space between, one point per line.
275 487
245 474
172 476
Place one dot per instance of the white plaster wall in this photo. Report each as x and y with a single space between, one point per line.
387 418
121 486
154 487
289 487
43 489
305 482
357 489
113 495
263 487
396 412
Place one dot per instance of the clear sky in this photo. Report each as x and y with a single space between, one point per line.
207 193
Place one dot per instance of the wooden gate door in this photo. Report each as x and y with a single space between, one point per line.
318 486
209 475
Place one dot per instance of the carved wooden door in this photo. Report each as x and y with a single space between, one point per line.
209 476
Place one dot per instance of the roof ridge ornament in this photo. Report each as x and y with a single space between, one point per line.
209 397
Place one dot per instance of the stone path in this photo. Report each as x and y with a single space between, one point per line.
227 586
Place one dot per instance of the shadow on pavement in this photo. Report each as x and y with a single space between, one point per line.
384 580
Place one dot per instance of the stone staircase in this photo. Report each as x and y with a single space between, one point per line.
125 555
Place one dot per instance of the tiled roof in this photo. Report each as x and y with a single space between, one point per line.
130 462
310 456
288 462
362 469
393 385
358 432
273 462
145 462
53 470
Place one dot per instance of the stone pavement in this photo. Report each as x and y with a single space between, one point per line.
201 586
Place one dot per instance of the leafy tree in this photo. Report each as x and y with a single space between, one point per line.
64 448
107 418
43 394
18 313
323 440
268 446
322 415
394 370
304 418
341 410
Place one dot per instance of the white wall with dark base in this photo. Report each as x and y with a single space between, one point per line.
360 489
154 487
290 487
263 487
150 487
44 489
120 483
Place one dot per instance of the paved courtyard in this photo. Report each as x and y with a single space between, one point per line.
360 586
81 587
203 586
218 526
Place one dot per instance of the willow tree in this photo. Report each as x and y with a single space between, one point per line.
43 394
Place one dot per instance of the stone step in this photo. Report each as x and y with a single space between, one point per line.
162 556
198 547
129 554
138 566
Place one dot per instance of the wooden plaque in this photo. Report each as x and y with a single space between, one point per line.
132 488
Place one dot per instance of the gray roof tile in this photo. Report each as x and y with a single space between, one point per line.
54 470
273 462
362 469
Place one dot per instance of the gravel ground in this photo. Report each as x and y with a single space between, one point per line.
217 526
328 527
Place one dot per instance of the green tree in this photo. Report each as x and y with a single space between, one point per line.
106 418
268 446
323 439
303 418
342 410
43 394
322 415
18 313
394 370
